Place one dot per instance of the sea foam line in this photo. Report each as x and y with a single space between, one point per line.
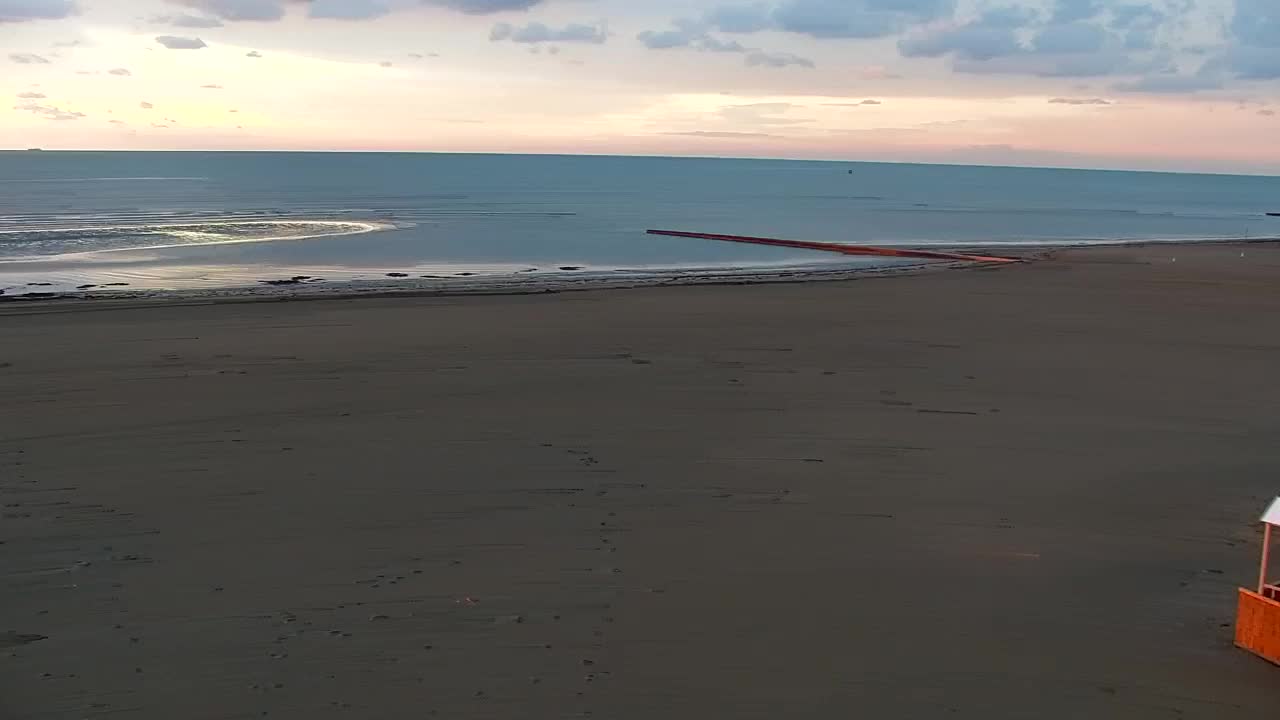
352 228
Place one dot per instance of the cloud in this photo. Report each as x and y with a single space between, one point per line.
145 105
920 9
1255 28
117 122
121 72
31 96
28 59
1084 65
485 7
1012 17
1146 17
1066 11
1256 23
537 32
1015 41
1079 101
1267 113
273 10
50 112
740 18
347 9
386 64
686 34
993 34
238 10
692 34
1070 38
15 11
253 54
181 43
830 19
714 44
760 58
856 18
1139 24
187 21
718 134
971 41
211 87
853 104
823 19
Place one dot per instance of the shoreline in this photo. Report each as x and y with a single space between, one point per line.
305 288
551 283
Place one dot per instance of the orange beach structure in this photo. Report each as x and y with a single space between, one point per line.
1258 615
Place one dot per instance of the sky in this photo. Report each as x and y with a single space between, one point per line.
1143 84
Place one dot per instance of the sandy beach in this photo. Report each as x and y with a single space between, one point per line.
1010 493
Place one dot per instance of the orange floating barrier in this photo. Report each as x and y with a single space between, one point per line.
1258 613
839 248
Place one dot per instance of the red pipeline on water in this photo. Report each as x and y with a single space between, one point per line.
838 248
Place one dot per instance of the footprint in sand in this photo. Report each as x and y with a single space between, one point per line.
14 639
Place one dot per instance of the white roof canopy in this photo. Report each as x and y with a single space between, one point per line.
1272 515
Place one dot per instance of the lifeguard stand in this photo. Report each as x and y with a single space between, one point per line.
1258 615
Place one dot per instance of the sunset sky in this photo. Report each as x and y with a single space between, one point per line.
1159 84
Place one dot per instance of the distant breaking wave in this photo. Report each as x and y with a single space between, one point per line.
45 243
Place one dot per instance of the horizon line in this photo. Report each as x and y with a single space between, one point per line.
1275 173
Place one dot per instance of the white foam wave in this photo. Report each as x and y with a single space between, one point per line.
69 242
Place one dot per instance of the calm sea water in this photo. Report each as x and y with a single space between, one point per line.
191 220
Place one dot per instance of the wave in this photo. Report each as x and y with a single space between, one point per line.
45 243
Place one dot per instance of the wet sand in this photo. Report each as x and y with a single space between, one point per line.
1023 492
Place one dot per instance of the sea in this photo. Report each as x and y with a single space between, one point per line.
102 222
